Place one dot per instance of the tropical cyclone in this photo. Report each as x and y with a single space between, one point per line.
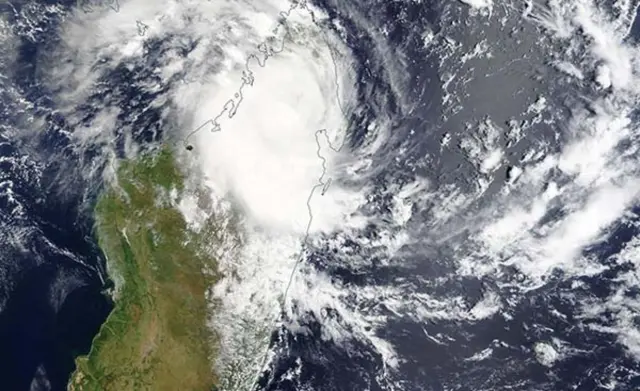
286 92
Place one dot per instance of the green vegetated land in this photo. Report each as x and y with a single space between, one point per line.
156 337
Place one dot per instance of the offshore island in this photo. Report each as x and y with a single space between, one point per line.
156 337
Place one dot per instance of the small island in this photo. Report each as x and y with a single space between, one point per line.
156 338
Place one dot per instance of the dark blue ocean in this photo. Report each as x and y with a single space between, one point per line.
51 278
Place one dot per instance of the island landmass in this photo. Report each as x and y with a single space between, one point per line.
156 337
